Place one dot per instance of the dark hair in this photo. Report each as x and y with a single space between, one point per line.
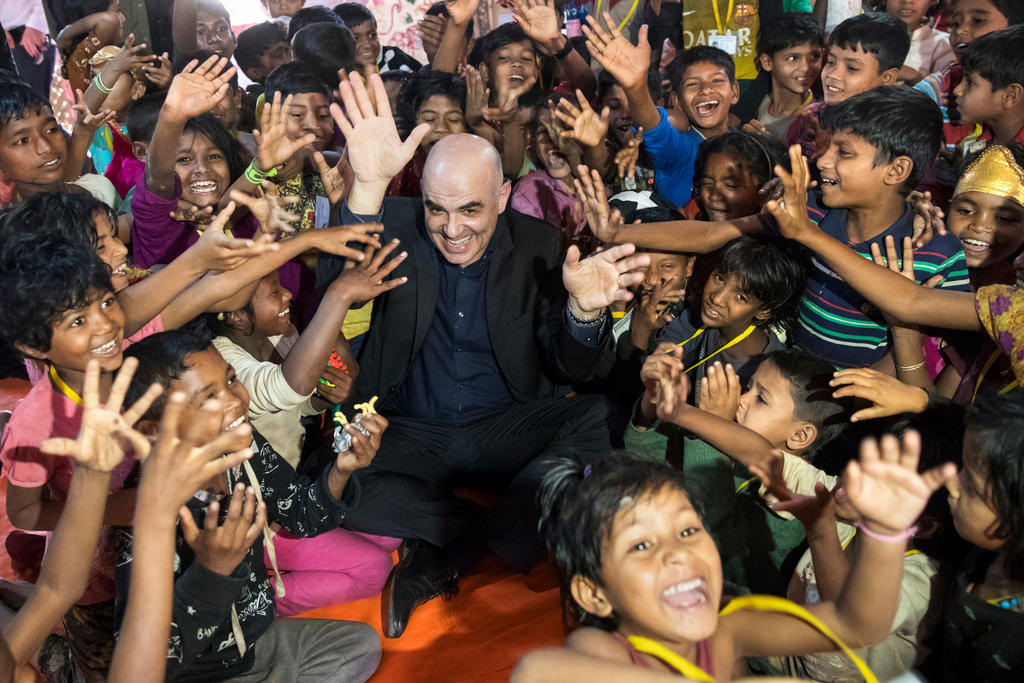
578 505
1013 10
759 155
140 121
897 121
786 31
43 278
161 359
216 7
19 101
706 54
421 86
64 215
995 423
353 14
254 42
772 269
605 82
222 139
997 57
325 48
182 60
307 16
877 33
506 34
439 10
657 214
294 78
809 377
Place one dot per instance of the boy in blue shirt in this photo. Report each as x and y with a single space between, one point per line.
881 142
707 88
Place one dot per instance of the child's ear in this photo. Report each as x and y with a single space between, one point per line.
890 76
802 438
735 93
30 352
689 266
238 320
762 315
1013 95
148 428
140 150
589 596
899 169
766 62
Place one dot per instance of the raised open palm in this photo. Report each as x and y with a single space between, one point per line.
582 123
537 19
599 280
199 87
375 151
627 62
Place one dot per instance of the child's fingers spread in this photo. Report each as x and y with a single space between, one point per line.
211 520
139 443
910 449
236 504
91 387
60 446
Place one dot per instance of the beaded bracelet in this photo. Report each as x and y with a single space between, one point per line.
585 323
99 84
895 538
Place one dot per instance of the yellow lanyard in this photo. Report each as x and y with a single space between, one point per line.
63 386
736 340
677 662
761 603
771 603
718 19
984 371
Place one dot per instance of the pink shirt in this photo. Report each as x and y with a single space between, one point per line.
539 195
45 412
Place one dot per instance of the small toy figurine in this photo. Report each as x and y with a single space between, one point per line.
342 439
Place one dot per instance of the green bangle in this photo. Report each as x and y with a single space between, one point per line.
256 176
99 84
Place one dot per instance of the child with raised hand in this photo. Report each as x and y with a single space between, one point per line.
750 297
933 551
86 35
881 142
223 620
787 413
281 369
642 577
707 89
988 193
104 439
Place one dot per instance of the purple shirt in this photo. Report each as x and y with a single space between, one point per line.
539 195
159 239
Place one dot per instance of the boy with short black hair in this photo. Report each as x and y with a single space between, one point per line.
864 52
223 622
261 49
790 48
707 89
992 90
369 53
880 143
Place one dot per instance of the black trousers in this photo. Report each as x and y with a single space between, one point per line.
408 489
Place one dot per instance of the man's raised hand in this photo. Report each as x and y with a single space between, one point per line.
375 151
602 279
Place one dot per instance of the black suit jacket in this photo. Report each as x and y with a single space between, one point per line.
526 301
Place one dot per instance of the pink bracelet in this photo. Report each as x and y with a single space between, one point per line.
896 538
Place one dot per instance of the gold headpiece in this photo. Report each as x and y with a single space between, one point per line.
995 172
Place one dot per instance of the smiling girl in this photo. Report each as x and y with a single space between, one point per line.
642 578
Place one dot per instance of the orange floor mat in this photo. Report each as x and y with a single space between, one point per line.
476 637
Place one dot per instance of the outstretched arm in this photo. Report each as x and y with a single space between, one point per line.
539 21
460 13
892 293
194 91
628 63
99 448
695 237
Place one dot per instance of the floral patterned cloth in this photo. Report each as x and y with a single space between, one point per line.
1001 312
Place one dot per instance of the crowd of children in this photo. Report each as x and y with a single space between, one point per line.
811 369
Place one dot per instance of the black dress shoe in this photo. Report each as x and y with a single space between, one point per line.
423 573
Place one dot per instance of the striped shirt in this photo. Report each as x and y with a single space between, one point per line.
837 323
